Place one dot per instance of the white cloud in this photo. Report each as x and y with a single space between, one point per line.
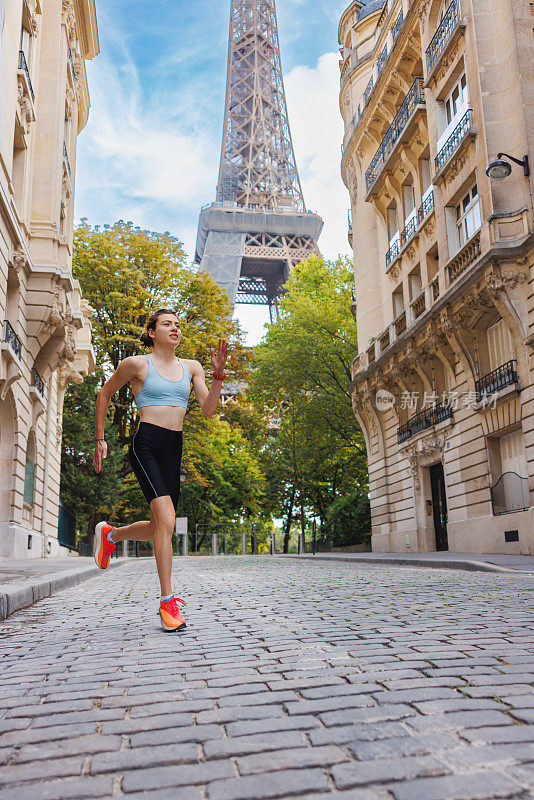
317 130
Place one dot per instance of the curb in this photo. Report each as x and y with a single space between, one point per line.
468 566
22 594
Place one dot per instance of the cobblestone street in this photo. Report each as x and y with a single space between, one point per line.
293 679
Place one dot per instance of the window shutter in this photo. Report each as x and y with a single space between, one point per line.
500 345
513 458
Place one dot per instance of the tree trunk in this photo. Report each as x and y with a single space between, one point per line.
289 520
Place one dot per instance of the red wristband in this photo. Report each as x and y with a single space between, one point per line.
219 377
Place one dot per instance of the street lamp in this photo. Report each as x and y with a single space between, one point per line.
501 169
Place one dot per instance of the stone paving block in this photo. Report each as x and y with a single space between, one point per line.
268 785
526 715
183 775
291 758
512 733
278 723
458 704
414 695
51 768
482 786
344 734
186 793
402 746
29 736
256 743
458 720
500 691
157 722
139 757
330 704
68 789
175 707
489 754
187 733
69 718
263 698
50 708
73 746
359 773
232 713
338 691
375 714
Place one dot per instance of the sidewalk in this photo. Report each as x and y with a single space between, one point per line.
24 582
474 562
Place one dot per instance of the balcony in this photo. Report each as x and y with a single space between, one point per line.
71 62
457 137
443 36
393 252
464 258
410 229
382 60
12 340
400 323
66 160
37 382
397 131
397 25
493 382
426 206
368 90
423 420
418 306
23 66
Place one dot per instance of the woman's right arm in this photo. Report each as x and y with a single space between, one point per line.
126 370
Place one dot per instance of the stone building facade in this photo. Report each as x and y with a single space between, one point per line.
431 92
45 323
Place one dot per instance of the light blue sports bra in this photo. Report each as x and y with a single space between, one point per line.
160 391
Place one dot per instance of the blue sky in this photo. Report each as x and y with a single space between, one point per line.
150 151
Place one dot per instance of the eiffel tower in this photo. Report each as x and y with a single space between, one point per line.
258 226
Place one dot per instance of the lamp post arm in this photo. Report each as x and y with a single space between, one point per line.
520 162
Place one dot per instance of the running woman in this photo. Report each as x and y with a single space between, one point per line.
161 384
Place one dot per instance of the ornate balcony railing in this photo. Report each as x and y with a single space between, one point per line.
419 305
409 230
510 493
400 323
349 217
384 341
397 25
393 252
469 253
38 382
66 157
434 287
368 90
12 339
505 375
426 207
382 59
454 140
442 35
371 354
423 420
414 98
23 65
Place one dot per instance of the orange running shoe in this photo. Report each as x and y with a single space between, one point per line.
102 548
169 614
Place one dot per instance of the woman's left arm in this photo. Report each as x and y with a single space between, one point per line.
208 399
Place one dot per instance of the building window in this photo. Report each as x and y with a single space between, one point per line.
509 464
500 344
25 44
29 472
398 303
468 219
452 109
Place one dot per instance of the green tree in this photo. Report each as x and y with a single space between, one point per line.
301 379
88 495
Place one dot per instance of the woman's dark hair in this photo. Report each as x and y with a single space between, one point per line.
151 325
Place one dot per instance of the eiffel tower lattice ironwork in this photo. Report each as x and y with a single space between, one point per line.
258 226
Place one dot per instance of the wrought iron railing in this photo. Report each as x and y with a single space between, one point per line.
368 90
38 382
498 379
442 35
382 59
409 230
397 25
23 65
510 493
400 323
454 140
467 255
349 217
423 420
414 98
66 157
12 339
66 527
426 207
393 252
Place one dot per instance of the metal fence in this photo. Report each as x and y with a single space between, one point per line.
66 527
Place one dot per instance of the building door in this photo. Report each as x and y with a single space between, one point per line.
439 505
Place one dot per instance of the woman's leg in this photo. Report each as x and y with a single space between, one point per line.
162 518
137 532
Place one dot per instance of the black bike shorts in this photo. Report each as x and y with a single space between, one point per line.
155 457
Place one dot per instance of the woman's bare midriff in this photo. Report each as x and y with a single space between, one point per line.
165 416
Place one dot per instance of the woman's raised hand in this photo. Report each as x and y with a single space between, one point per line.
218 360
